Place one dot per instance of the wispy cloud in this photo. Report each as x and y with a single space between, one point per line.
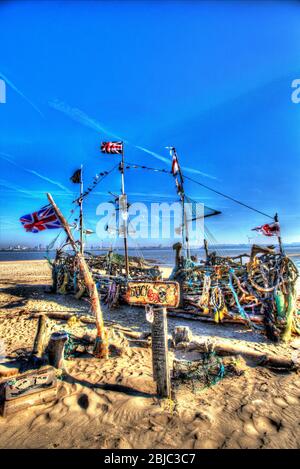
18 189
83 118
10 159
17 90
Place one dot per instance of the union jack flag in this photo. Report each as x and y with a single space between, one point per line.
112 147
43 219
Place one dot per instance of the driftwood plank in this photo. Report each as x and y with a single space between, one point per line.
223 348
38 346
25 402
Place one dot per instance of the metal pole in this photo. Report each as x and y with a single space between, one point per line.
125 219
81 211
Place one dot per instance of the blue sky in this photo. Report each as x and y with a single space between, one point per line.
211 78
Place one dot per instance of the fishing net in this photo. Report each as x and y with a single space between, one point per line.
200 374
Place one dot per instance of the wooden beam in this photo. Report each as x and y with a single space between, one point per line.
161 372
101 344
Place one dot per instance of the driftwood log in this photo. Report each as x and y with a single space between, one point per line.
205 318
38 347
223 348
101 344
56 349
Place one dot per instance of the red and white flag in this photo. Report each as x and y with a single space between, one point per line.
175 166
269 229
112 147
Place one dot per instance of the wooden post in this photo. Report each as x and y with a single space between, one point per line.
56 348
206 249
161 372
185 227
279 237
81 211
101 345
38 346
122 169
177 247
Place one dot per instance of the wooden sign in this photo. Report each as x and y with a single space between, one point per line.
153 293
28 383
26 389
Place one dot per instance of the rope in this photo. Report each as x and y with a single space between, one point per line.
240 308
131 165
138 166
228 197
95 183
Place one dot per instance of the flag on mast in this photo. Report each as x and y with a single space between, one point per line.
269 229
76 178
175 166
43 219
112 147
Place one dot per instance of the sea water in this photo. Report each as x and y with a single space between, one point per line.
162 256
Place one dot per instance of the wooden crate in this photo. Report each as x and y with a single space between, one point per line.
27 389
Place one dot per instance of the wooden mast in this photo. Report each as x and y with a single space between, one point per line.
124 212
101 344
276 219
81 211
185 231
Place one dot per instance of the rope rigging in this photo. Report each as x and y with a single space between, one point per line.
228 197
136 166
95 182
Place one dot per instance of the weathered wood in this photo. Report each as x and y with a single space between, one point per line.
177 248
160 293
27 383
8 369
195 316
160 364
25 402
21 391
56 349
223 348
38 347
63 316
101 344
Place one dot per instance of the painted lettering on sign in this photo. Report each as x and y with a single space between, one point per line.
28 383
153 293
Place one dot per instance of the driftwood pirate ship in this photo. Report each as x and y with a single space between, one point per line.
260 292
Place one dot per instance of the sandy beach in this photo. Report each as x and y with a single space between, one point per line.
113 403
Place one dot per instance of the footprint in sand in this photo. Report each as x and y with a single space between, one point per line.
39 422
248 442
291 400
250 430
265 425
281 402
130 410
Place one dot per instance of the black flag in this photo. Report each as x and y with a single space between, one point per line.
76 178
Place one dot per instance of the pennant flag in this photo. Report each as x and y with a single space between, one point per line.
272 229
175 167
112 147
76 178
87 231
43 219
